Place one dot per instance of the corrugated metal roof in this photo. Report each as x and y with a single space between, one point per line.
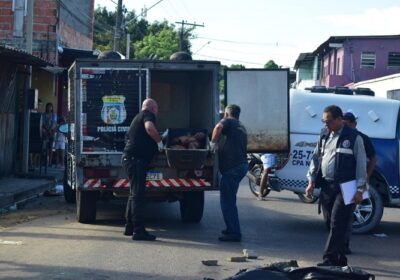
19 56
324 47
304 58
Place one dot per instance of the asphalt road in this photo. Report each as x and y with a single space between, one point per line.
55 246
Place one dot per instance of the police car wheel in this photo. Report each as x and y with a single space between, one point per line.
257 171
368 214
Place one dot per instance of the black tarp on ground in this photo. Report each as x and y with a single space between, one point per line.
291 271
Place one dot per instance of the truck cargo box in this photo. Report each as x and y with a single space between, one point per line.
186 157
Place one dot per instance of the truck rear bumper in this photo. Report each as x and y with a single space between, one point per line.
176 184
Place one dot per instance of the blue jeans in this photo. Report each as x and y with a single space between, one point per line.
229 186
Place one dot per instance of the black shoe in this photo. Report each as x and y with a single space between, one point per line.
342 261
225 232
327 263
347 251
128 230
143 235
229 238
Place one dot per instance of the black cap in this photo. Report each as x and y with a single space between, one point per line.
348 116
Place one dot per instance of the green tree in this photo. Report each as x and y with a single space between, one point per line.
103 29
156 39
158 46
237 66
271 65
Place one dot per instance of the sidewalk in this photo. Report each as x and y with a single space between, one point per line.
19 188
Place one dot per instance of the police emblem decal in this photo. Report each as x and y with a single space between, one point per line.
346 144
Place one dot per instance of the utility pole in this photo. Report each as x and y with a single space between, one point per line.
128 45
117 33
28 84
193 25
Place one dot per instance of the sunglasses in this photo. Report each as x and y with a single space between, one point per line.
327 121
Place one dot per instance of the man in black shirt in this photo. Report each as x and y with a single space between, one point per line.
143 143
233 167
350 120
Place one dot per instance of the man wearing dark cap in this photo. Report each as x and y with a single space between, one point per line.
350 120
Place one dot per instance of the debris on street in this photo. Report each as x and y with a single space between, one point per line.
8 242
210 262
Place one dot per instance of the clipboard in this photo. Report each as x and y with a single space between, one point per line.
349 189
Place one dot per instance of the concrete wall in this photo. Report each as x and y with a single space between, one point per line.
70 20
385 86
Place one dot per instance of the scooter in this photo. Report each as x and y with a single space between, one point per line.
254 176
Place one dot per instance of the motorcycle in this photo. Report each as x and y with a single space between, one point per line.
255 172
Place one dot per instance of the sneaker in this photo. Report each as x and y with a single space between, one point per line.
229 238
260 198
143 235
128 230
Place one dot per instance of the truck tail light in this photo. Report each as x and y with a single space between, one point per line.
97 172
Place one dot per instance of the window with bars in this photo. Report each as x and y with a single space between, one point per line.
394 60
368 59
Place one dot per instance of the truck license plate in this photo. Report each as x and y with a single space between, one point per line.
154 175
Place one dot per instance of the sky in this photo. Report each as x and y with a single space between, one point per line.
253 32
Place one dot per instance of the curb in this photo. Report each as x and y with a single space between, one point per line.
11 199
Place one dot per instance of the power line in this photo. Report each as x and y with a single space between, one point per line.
194 25
202 47
144 11
227 59
243 43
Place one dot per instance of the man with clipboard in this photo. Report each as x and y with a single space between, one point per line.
338 158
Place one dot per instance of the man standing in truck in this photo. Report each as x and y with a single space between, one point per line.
233 167
142 144
339 157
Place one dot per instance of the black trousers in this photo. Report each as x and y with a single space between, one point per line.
338 214
136 172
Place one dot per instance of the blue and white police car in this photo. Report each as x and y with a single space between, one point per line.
376 117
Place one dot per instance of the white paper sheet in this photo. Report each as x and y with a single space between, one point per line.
349 190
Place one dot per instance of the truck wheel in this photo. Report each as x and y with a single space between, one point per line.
368 214
306 199
86 206
254 181
192 206
69 193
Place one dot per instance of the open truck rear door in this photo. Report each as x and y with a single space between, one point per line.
263 96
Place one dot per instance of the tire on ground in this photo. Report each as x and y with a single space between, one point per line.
192 206
306 199
86 206
257 171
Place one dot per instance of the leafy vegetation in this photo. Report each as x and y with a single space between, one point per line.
157 40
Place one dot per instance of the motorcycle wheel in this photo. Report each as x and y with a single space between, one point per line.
256 171
306 199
